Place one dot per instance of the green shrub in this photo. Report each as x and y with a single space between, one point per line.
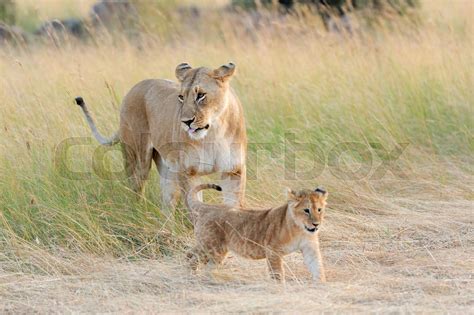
7 11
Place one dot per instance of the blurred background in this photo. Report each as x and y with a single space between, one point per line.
26 21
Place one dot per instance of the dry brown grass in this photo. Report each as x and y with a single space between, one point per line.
416 267
405 246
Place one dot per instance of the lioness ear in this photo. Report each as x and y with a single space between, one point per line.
290 194
321 192
224 72
181 70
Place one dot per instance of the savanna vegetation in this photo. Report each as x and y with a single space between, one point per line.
382 118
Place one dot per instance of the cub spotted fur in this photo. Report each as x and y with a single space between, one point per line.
257 234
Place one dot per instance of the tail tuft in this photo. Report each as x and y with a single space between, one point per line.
79 101
217 187
103 141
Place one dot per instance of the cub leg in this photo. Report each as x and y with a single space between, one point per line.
313 260
196 256
199 255
218 254
275 266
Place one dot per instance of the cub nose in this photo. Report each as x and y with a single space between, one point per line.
315 224
189 122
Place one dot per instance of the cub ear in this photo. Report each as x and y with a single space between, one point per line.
291 194
224 72
321 192
181 70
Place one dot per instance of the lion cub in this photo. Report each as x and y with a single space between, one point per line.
257 234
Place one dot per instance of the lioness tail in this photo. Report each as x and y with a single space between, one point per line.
102 140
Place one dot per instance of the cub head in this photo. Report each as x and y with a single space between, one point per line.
203 97
307 208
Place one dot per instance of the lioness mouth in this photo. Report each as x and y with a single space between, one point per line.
192 130
311 230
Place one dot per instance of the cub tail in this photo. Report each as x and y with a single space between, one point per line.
192 201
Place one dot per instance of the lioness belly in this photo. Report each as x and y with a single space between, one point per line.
202 160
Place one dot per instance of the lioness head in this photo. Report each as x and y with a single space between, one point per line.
203 96
307 208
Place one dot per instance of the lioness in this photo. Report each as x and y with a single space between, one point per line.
258 234
188 129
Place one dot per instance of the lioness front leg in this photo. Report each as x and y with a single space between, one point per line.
137 160
233 187
313 261
186 183
170 193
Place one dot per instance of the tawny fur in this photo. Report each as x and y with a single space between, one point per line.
153 128
258 234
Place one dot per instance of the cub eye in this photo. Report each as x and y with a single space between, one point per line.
181 98
319 209
306 211
200 96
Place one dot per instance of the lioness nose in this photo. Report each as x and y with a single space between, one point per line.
316 224
188 122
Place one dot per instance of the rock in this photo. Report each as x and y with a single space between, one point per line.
61 29
12 35
114 14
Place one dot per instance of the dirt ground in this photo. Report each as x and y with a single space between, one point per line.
410 262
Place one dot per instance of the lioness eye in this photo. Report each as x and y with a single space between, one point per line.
200 96
306 211
319 209
181 98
